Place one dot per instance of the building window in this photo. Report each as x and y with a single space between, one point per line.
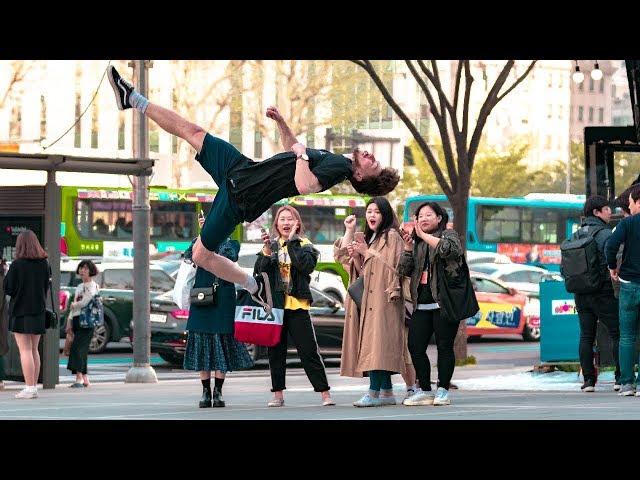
121 131
601 115
154 137
591 86
547 144
590 114
257 144
560 81
94 124
580 114
408 157
550 82
43 118
601 88
581 86
154 129
560 111
549 110
235 120
174 139
15 125
77 142
257 134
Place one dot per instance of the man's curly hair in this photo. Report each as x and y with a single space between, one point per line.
378 185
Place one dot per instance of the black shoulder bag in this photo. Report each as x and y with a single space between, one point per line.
50 315
205 296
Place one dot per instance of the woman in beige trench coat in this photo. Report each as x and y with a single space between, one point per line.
374 339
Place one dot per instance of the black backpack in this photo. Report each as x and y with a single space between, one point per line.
580 265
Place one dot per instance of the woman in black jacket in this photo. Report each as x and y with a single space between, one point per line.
441 295
27 283
289 262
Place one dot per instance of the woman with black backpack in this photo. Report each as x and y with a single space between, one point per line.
442 297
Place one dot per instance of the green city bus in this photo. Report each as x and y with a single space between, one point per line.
98 221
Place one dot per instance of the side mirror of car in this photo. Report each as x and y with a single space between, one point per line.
512 291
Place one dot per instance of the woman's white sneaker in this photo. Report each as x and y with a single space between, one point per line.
442 397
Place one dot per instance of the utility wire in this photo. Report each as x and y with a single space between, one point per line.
82 114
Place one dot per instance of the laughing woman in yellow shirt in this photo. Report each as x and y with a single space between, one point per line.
289 261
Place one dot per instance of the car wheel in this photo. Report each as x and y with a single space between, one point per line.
173 358
254 351
100 339
531 334
335 295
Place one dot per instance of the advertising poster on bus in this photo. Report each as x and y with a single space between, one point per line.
531 253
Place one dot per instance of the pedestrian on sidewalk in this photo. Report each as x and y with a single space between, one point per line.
4 327
289 260
211 346
79 352
373 341
27 283
595 300
433 257
628 274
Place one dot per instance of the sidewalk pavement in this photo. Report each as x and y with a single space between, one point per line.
482 394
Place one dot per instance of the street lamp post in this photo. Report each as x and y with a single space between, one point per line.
141 372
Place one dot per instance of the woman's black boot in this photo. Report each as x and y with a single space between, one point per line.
218 401
205 401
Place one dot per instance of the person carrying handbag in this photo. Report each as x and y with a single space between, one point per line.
211 346
374 342
289 262
79 351
27 283
442 296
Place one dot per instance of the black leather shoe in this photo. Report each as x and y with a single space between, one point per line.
218 401
205 401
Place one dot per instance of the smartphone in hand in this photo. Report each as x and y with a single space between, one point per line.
407 227
359 237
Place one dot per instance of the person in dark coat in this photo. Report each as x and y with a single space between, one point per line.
27 283
211 346
4 325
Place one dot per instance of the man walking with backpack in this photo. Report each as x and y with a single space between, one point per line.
627 232
584 268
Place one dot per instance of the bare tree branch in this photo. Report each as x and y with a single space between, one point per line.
456 90
515 84
368 67
485 110
19 70
441 121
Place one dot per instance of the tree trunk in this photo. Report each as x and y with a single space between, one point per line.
459 207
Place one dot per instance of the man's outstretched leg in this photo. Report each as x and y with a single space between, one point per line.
219 157
169 121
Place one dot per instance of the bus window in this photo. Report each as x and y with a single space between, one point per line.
104 219
499 224
173 221
323 225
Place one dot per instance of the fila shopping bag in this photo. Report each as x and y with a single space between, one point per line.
253 324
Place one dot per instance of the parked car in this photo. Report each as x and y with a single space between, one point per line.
329 283
486 257
116 288
169 335
525 278
503 310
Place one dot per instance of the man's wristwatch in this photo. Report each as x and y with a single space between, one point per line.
303 156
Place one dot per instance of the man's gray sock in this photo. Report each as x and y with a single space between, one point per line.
138 101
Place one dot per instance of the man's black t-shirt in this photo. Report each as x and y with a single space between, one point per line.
255 186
